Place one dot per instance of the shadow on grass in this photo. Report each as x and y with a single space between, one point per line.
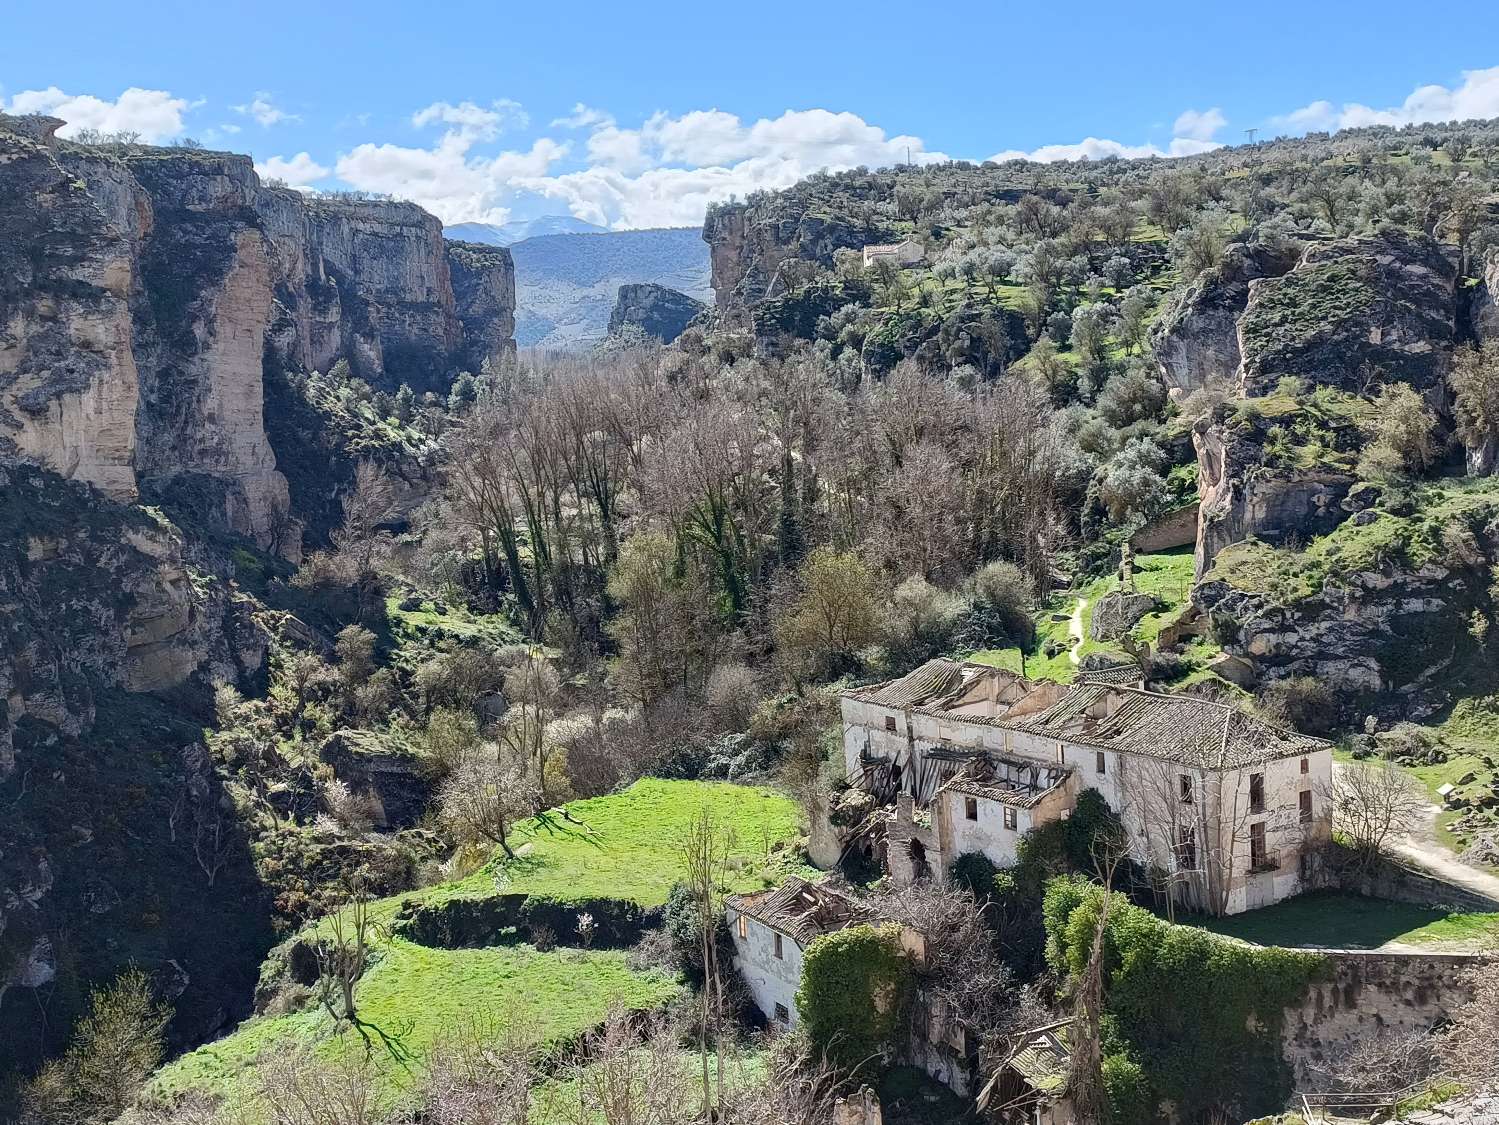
1327 919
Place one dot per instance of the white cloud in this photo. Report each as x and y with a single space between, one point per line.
583 117
446 179
1476 97
228 128
664 173
297 171
1199 126
1192 133
265 112
480 122
155 114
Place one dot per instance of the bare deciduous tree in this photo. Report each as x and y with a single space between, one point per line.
490 787
705 849
1372 801
294 1086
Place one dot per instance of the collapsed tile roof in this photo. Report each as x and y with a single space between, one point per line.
1103 713
1020 782
1042 1059
800 909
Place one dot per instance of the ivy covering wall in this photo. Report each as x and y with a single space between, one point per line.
1181 1005
855 994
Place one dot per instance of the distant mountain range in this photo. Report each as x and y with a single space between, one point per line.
507 234
566 282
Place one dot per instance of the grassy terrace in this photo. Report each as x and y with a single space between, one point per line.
1337 920
619 846
418 995
1165 575
622 845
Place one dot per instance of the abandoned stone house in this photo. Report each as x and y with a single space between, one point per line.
771 930
1226 811
905 254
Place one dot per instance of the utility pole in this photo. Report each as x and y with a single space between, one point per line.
1250 134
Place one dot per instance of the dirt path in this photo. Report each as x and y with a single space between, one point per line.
1075 630
1422 849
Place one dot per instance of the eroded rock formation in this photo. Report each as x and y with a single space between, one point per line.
145 290
658 312
1196 339
1353 313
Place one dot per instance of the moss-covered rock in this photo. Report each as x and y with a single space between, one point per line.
1353 313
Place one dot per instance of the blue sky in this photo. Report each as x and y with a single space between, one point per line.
639 115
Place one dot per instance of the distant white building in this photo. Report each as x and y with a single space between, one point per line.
1229 810
904 254
771 931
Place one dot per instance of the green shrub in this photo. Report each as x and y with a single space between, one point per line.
1183 1001
855 992
1128 1091
977 872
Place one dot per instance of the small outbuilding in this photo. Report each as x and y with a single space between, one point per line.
904 254
771 930
1030 1086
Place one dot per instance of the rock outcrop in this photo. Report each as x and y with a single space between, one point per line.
96 596
1352 314
657 311
484 294
1244 494
1117 612
748 244
1196 339
145 290
1485 307
68 380
1390 610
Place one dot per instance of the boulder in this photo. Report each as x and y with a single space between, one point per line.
1351 311
388 771
1115 614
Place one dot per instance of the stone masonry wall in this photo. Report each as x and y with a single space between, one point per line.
1368 993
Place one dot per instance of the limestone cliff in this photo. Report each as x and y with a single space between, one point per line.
1196 339
1353 313
1485 307
1382 610
68 380
145 290
748 244
657 311
484 294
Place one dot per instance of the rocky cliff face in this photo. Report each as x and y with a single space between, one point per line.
1353 313
1485 307
658 312
748 243
1196 339
1383 610
1245 493
68 379
145 289
484 295
1350 315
